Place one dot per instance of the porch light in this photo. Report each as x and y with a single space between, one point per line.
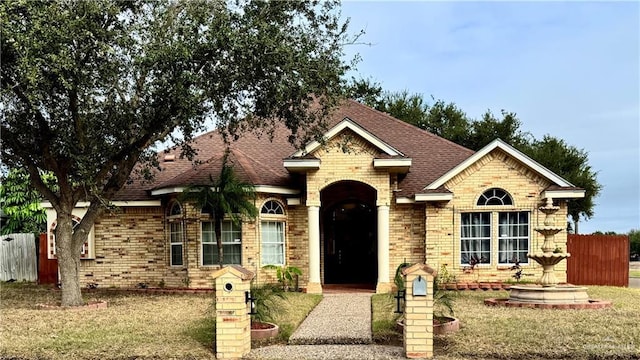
247 299
400 297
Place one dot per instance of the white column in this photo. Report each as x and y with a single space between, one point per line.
383 250
314 286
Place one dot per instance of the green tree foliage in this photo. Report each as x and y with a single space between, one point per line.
573 165
634 242
20 202
227 196
87 88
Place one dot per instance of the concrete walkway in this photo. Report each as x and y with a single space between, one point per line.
338 319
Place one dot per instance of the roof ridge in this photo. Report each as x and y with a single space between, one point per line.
406 124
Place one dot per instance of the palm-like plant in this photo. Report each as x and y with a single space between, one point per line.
227 195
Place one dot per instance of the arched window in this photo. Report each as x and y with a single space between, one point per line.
272 227
494 196
272 207
175 234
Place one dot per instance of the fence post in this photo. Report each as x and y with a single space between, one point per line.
418 311
232 307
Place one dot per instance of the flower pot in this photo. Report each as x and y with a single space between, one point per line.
462 286
485 286
496 286
263 330
450 286
473 286
441 325
445 325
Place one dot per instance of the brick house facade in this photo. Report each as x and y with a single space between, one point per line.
378 192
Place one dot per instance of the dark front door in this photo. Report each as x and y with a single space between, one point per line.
350 255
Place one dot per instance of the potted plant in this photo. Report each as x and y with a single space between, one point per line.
286 275
266 306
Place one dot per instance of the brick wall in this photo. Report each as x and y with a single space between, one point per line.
497 169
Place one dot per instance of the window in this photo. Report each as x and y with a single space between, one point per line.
272 207
175 235
475 238
272 231
478 234
494 196
513 243
231 243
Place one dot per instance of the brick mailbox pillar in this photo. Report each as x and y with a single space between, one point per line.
233 324
418 311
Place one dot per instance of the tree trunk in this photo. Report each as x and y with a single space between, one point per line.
218 231
68 252
575 227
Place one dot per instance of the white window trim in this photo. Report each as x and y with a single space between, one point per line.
202 242
516 237
175 219
491 253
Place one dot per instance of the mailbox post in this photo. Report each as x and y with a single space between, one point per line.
233 324
418 311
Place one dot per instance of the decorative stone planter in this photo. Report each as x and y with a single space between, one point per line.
451 286
485 286
462 286
441 326
263 330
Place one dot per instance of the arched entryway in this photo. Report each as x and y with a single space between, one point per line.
349 238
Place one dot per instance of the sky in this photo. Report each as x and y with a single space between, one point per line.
567 69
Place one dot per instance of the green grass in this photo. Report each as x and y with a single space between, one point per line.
135 325
634 273
292 311
507 333
383 321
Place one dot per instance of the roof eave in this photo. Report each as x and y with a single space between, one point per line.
393 165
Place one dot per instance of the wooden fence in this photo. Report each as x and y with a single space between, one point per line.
47 268
18 258
598 260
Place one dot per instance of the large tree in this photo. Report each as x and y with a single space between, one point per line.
88 87
573 165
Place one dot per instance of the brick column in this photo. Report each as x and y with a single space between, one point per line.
233 324
418 312
314 285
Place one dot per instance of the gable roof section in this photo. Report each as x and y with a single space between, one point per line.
347 123
555 179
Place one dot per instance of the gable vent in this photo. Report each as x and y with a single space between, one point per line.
169 158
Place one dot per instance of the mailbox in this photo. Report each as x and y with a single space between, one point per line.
419 286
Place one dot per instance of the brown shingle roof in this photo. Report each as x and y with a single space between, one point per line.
259 161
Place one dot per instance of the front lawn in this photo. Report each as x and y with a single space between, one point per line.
135 325
508 333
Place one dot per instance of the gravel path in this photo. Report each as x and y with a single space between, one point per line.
338 319
327 352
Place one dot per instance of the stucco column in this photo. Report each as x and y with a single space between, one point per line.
383 284
314 286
